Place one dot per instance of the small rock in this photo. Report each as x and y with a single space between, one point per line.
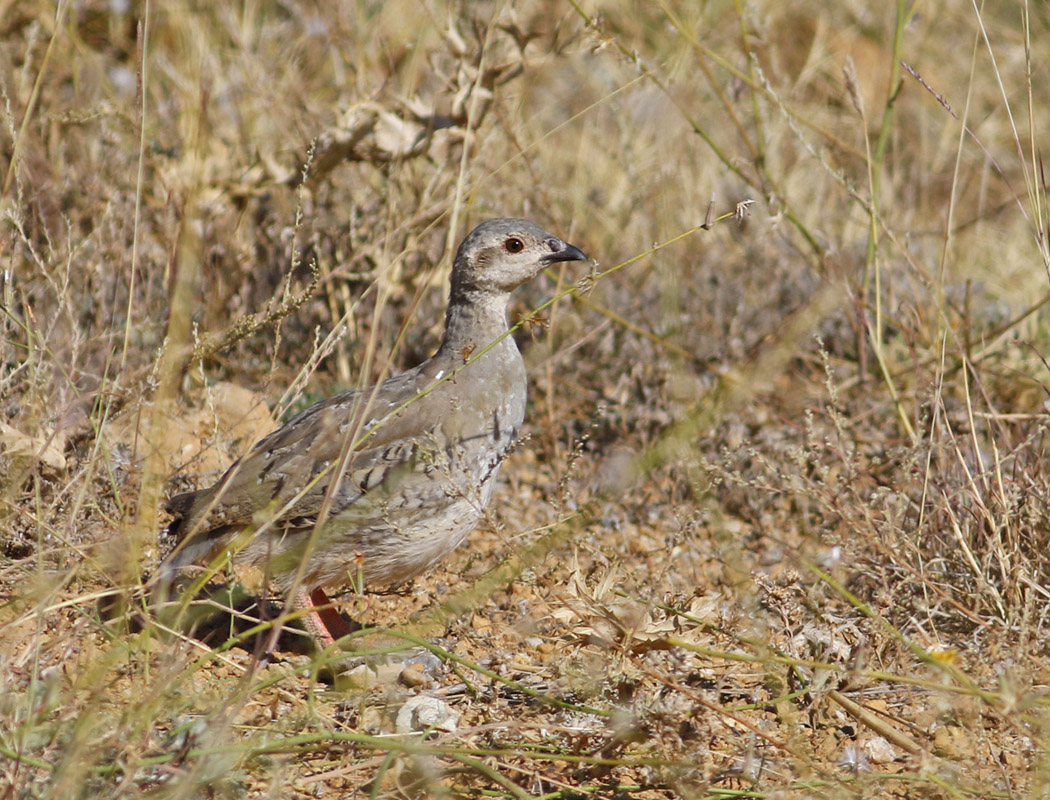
880 751
425 661
951 741
412 676
425 713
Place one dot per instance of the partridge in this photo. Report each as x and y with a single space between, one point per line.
377 485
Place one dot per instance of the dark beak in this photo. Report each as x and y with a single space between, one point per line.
562 252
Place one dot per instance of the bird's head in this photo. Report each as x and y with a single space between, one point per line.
501 254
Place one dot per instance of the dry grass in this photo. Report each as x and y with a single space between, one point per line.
781 526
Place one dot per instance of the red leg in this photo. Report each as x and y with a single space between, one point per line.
323 622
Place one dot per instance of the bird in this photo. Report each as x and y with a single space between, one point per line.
375 486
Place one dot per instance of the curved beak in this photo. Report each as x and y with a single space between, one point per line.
565 252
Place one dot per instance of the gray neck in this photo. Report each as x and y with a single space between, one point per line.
475 318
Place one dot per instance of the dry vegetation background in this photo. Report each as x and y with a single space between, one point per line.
780 527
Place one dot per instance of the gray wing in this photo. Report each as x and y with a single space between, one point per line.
287 475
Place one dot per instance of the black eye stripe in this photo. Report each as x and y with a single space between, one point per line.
514 245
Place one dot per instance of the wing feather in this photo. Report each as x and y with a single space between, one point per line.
287 474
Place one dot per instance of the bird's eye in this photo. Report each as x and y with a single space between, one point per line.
514 245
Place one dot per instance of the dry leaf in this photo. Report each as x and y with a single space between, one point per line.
48 449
